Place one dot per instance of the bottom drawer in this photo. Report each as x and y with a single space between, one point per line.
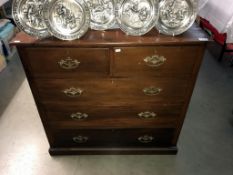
113 138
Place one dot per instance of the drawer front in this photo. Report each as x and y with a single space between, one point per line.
111 92
155 61
67 62
113 138
92 116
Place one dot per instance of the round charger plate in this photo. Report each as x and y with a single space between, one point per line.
137 17
67 19
102 14
176 16
27 15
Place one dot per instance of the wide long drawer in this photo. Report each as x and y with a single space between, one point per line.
66 62
155 61
113 138
93 116
113 91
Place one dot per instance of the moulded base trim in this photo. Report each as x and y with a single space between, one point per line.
113 151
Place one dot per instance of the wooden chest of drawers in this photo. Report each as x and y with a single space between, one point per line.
109 93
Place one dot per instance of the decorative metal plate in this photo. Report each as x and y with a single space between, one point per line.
102 14
67 19
176 16
28 17
137 17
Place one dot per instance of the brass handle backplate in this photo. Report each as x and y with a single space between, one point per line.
151 91
78 116
155 60
80 139
73 92
68 63
146 139
147 115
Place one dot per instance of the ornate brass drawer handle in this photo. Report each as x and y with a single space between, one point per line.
147 115
73 92
155 60
151 91
68 63
146 139
80 139
78 116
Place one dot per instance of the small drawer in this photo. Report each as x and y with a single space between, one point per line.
64 116
113 91
155 61
113 138
66 62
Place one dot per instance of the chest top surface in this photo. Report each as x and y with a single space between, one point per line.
195 35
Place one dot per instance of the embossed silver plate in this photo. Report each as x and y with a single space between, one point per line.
176 16
67 19
27 15
137 17
102 14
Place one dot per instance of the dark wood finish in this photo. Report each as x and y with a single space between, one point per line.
113 151
44 62
180 60
112 75
115 38
112 91
113 138
101 116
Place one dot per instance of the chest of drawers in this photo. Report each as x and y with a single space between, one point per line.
109 93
